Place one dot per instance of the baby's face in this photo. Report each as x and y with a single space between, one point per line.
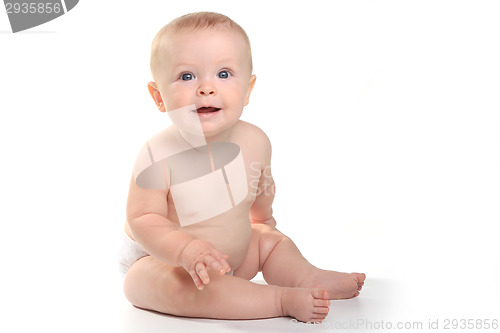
210 69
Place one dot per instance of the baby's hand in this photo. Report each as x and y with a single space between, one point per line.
197 256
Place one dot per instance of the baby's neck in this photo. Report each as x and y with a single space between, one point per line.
220 137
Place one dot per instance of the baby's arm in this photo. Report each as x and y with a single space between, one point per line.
162 239
261 210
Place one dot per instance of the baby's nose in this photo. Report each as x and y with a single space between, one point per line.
206 90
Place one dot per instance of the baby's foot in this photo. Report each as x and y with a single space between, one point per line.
308 305
339 285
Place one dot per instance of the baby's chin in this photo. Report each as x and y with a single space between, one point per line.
213 130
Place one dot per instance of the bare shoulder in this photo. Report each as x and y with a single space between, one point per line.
254 140
250 132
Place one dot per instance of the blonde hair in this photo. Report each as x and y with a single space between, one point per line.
194 22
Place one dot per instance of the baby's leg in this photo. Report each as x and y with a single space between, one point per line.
282 264
154 285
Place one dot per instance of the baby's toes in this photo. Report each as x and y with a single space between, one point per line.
361 280
321 303
321 294
321 310
360 277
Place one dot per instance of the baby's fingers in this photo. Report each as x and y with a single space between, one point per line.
222 261
202 273
214 264
196 279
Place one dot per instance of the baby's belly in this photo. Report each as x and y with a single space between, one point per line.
229 233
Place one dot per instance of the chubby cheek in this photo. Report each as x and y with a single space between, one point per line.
177 98
234 96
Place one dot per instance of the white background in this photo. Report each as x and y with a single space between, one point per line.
384 118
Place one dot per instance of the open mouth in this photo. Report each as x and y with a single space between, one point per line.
207 109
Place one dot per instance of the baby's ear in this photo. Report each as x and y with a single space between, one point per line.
251 83
155 93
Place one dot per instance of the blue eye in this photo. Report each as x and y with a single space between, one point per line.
187 77
224 74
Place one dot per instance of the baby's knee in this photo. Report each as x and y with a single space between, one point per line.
268 241
270 235
264 230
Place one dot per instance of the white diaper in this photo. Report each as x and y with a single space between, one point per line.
129 253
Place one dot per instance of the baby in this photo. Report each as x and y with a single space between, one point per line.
199 218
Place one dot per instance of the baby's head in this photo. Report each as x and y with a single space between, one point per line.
203 59
191 23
